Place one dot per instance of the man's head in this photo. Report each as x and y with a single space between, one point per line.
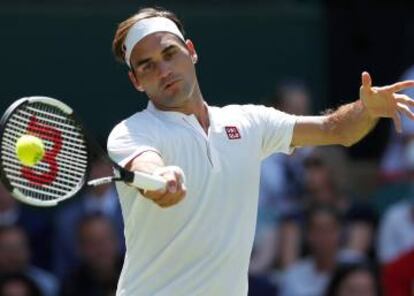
326 174
98 243
292 96
7 202
18 284
354 279
323 231
160 60
14 249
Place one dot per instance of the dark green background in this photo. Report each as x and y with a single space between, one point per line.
244 50
63 49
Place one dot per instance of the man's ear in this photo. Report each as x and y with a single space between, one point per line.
191 50
135 81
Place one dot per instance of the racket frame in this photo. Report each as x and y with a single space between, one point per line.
137 179
6 182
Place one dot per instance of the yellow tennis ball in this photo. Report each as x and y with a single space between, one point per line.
29 150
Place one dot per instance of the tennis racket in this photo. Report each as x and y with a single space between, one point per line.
64 168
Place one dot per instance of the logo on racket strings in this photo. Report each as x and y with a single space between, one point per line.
48 133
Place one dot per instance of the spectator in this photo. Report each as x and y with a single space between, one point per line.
327 183
101 199
356 279
18 285
36 222
260 286
398 276
396 237
281 183
396 232
101 262
397 164
15 258
281 177
393 162
310 276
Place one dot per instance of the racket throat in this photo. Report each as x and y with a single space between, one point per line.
102 181
118 176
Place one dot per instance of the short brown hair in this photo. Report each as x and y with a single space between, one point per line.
143 13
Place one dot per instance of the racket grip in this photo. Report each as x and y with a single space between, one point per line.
148 182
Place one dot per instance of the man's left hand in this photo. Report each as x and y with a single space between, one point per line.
385 101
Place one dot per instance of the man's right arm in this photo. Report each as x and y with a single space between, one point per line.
151 162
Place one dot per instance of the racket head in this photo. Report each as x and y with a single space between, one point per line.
64 169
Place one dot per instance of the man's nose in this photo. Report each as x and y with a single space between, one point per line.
164 69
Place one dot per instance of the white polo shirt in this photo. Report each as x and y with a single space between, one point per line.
202 245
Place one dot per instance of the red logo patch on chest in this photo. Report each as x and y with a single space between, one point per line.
232 132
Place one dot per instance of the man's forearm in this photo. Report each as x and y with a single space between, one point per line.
351 121
146 162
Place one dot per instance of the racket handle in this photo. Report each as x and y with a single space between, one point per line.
138 179
148 182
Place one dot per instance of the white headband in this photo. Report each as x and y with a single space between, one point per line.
145 27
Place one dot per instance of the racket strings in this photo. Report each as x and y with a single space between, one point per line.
63 168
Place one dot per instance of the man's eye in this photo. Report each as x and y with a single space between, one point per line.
168 55
147 67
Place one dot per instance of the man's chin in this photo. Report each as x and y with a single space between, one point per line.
170 103
175 101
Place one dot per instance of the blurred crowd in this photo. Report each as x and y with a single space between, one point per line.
317 233
75 249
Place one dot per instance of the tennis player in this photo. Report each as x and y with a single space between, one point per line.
195 237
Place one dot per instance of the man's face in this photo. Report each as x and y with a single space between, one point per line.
163 67
98 243
323 234
14 252
359 283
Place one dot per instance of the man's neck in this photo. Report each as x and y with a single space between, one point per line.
200 109
196 106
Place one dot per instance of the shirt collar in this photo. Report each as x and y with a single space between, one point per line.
172 115
178 116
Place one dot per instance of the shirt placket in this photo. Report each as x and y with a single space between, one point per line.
192 122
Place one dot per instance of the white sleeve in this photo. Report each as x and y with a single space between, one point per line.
276 129
387 243
124 143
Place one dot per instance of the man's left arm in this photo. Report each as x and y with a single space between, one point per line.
351 122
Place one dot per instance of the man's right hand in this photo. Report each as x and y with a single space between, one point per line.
175 190
151 162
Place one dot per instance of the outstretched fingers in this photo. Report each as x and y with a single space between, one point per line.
366 82
399 86
397 122
403 104
404 99
405 110
385 101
